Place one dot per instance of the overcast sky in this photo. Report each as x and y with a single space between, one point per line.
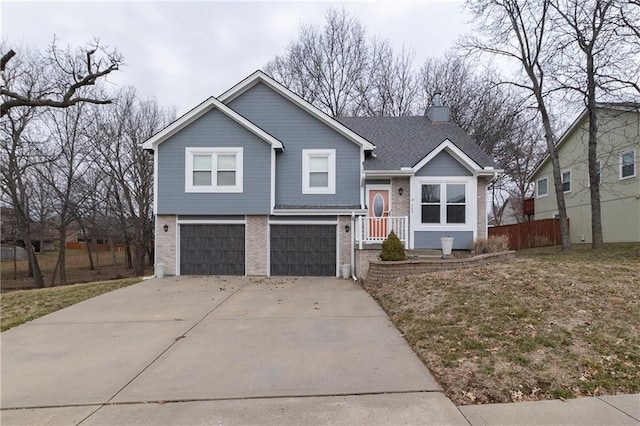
183 52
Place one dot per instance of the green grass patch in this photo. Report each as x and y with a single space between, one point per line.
19 307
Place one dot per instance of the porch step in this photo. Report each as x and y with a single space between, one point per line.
424 254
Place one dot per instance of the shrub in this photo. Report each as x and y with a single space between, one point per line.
392 248
491 245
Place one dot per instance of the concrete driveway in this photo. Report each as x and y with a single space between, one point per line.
219 350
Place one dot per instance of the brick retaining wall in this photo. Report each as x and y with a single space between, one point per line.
381 272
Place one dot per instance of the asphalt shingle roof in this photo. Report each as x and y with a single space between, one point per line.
404 141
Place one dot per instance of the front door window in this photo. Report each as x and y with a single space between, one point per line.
377 221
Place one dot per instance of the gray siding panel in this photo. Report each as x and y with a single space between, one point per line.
443 164
299 130
214 129
462 240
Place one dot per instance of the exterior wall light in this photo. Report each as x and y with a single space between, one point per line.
400 191
347 228
166 228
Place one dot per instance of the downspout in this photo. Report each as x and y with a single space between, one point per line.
353 247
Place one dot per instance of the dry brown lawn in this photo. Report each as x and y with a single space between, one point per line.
77 269
545 325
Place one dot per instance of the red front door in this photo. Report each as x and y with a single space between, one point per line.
378 213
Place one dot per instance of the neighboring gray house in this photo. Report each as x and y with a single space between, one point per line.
260 182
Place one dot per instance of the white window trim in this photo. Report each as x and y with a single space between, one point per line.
415 213
635 165
331 155
213 188
570 179
546 194
470 209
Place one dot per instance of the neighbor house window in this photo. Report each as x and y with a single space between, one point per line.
542 187
628 164
566 181
319 171
213 170
453 211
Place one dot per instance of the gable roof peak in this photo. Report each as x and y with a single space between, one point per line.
260 76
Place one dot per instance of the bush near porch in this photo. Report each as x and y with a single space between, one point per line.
544 325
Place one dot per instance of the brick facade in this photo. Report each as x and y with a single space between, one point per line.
344 240
166 242
400 204
257 245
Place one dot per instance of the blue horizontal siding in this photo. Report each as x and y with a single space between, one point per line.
214 129
462 240
443 164
299 130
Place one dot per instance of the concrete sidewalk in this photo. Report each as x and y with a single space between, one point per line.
219 350
604 410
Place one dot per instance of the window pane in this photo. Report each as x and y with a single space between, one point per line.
455 214
378 205
226 178
202 162
566 181
202 178
455 194
319 164
430 193
319 180
542 187
227 162
628 166
431 214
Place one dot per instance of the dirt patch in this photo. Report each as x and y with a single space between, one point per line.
542 326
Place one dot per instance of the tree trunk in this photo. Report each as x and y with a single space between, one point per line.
557 175
597 241
34 267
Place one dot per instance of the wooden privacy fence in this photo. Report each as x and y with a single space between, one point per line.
99 247
535 233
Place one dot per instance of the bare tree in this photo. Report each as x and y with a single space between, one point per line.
69 151
596 58
519 31
391 86
121 130
62 79
19 154
325 65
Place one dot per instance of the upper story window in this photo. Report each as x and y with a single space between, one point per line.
566 181
213 170
454 210
318 171
628 164
542 187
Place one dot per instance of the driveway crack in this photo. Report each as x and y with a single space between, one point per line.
182 336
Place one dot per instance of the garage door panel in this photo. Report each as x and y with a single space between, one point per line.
212 249
303 250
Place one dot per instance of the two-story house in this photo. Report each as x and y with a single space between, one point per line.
260 182
617 161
